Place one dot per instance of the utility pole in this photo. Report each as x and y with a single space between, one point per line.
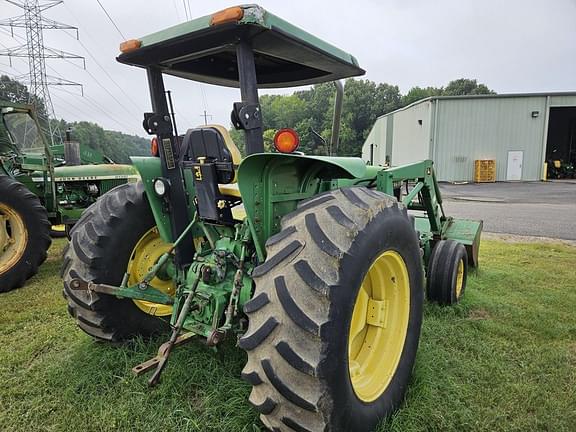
205 115
37 53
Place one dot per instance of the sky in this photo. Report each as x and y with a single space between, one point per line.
512 46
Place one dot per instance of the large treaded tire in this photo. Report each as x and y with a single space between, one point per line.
299 317
101 244
15 195
442 272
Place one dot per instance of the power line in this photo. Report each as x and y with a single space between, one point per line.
95 105
177 10
103 87
66 103
12 67
5 71
126 111
111 20
185 10
138 108
86 98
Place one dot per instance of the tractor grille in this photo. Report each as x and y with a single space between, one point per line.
106 185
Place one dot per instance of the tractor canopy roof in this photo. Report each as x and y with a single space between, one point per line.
203 50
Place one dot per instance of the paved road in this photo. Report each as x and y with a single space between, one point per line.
531 208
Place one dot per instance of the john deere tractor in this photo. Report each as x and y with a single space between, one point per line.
316 266
42 187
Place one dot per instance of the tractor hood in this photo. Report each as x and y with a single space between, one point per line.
93 172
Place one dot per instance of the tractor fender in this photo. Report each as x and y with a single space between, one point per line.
328 167
149 169
271 185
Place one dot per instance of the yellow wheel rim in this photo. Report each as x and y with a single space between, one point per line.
145 254
460 278
13 237
379 326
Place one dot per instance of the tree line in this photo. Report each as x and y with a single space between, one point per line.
308 111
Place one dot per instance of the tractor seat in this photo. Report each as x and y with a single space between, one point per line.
230 189
213 144
209 152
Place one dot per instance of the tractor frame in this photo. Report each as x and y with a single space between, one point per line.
271 185
217 240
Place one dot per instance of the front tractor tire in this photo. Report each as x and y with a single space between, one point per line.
447 272
115 234
24 234
335 320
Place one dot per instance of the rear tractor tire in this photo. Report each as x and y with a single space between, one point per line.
117 234
24 234
335 320
447 272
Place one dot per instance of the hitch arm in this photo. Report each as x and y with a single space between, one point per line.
175 333
136 292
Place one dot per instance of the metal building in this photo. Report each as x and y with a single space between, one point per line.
520 131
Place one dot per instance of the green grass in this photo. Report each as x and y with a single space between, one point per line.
504 359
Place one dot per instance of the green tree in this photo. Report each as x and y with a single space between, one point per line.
387 99
364 102
269 140
417 93
311 110
287 111
319 101
16 92
117 146
238 138
465 86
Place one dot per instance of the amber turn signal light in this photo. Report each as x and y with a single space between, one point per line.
130 45
231 14
286 140
154 147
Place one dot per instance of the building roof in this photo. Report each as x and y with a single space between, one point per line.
484 96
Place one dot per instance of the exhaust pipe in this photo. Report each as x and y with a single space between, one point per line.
335 136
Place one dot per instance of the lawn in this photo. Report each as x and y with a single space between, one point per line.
504 359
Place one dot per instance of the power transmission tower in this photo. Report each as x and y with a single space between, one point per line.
37 53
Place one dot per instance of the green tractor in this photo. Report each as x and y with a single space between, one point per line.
316 266
42 188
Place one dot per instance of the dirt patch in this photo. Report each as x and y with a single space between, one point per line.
478 314
514 238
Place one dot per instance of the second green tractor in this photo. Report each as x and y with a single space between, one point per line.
43 190
316 266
